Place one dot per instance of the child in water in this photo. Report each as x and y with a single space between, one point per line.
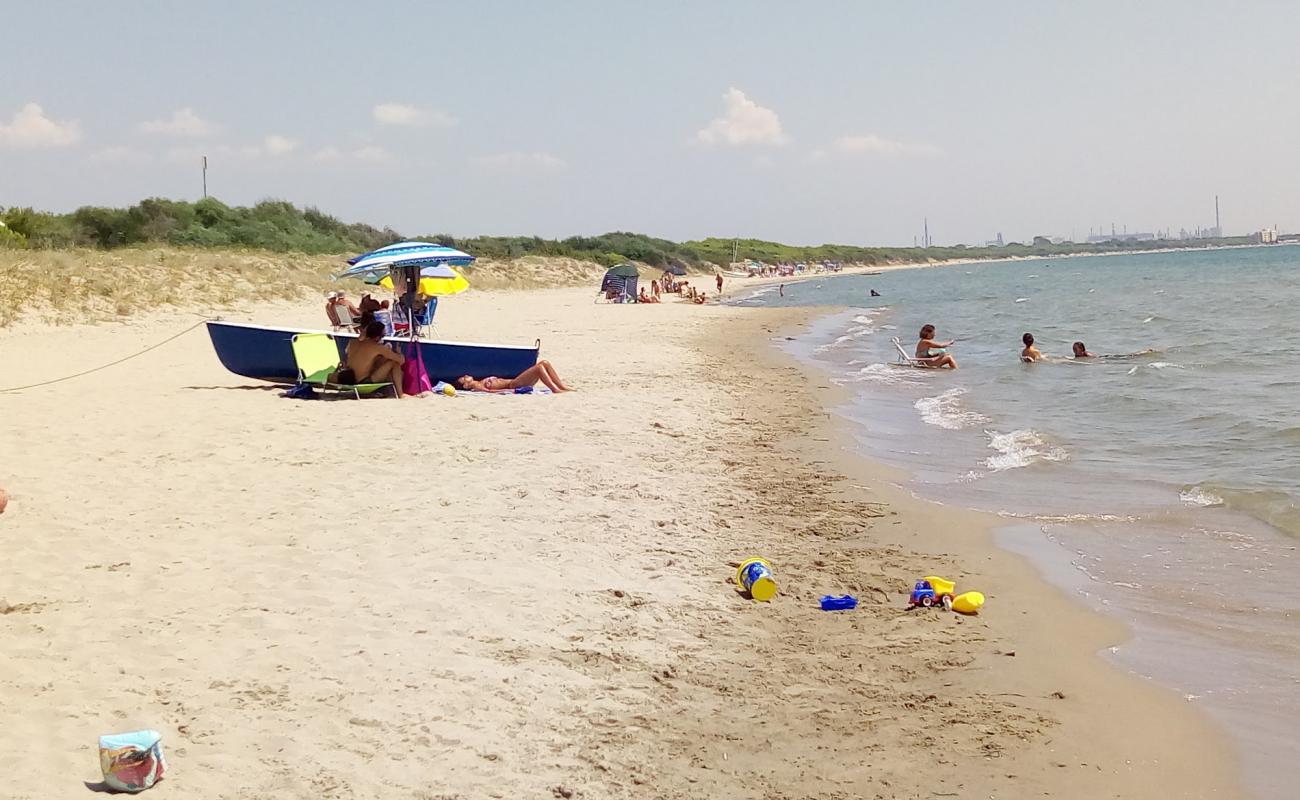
1030 354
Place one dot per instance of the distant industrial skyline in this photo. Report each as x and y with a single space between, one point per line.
848 122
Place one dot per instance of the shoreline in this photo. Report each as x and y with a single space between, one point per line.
550 605
1133 735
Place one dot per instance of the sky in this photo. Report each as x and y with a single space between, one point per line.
833 121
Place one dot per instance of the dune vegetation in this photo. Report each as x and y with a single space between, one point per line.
98 262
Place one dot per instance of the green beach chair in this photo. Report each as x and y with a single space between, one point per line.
317 357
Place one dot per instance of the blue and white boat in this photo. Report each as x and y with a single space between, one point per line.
265 353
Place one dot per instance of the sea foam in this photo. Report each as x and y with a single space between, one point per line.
1020 448
945 411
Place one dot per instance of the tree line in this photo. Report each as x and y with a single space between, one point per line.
280 226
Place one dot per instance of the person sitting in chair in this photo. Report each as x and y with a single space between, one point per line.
337 305
369 360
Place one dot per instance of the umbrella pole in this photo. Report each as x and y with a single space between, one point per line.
412 276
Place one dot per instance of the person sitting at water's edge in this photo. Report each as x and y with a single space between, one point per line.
1030 354
934 354
541 371
1081 352
369 360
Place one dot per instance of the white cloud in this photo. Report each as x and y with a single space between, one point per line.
743 122
517 161
411 116
119 154
371 153
330 153
31 128
871 144
279 145
184 155
181 123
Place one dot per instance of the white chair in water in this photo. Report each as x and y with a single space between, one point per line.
904 360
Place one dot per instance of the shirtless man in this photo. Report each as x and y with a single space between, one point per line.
541 371
1030 354
374 362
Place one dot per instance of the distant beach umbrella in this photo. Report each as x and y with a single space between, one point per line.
622 271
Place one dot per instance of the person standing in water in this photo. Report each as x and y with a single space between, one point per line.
932 353
1030 354
781 288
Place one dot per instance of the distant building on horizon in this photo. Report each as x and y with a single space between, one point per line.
1121 237
1266 235
995 242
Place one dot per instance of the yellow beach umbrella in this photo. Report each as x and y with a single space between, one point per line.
435 287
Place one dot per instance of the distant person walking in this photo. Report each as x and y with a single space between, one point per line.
719 282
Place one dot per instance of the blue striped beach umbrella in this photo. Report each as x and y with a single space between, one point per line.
433 260
414 262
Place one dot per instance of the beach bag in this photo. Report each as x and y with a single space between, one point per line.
131 762
415 378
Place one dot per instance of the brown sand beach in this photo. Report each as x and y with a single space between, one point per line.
526 596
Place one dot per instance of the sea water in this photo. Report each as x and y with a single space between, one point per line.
1160 483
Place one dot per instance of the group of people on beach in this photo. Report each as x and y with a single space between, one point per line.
934 354
370 360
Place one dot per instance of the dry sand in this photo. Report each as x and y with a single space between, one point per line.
525 596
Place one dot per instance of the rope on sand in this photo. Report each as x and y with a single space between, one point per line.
109 364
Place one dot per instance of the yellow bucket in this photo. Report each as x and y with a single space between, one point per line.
755 577
968 603
941 586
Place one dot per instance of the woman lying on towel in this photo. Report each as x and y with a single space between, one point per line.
541 371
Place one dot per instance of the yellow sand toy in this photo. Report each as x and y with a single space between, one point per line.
755 577
932 590
968 603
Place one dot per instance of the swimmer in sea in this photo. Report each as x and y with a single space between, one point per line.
1030 354
932 353
1081 352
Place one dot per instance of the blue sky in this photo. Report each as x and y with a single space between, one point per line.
813 122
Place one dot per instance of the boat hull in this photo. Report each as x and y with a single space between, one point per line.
266 354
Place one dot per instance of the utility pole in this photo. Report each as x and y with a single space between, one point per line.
205 177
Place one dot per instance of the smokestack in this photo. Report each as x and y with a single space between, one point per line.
1218 231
